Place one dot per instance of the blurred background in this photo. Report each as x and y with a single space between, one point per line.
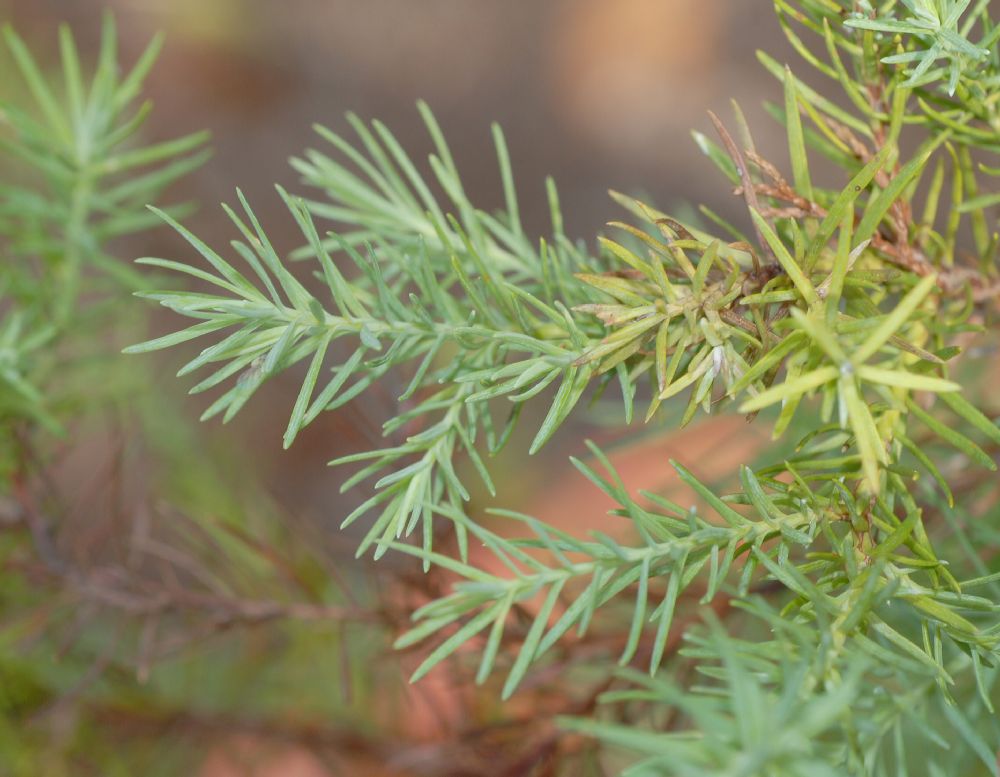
597 93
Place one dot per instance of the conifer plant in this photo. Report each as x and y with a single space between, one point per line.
836 610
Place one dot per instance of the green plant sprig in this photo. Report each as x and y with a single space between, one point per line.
839 317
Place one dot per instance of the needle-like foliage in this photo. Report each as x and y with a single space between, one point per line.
862 619
75 179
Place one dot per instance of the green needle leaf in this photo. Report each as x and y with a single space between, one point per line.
788 264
